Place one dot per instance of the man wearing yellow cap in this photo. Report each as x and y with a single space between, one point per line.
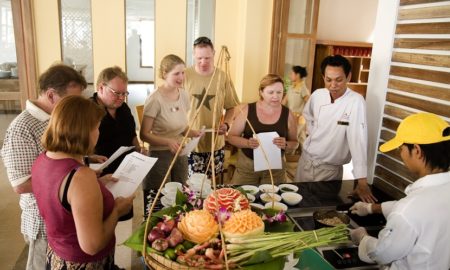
416 235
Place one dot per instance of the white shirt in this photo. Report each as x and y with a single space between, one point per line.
337 131
417 234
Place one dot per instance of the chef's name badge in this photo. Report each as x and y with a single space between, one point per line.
343 123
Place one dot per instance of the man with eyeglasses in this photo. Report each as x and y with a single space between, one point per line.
117 127
205 81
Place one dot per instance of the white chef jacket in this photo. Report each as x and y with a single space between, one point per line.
337 131
417 234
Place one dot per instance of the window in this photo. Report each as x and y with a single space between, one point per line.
76 36
7 42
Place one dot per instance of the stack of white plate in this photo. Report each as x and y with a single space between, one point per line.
170 193
196 181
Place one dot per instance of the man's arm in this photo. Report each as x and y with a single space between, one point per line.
228 119
363 191
20 149
357 142
136 144
24 187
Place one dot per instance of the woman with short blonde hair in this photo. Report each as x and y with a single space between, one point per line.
265 115
164 125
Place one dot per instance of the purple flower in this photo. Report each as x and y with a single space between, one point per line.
280 217
223 215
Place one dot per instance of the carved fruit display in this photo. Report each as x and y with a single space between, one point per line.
243 223
228 198
198 226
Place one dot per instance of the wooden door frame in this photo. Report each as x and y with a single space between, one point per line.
24 33
280 20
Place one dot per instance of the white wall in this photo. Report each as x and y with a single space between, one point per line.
356 23
379 74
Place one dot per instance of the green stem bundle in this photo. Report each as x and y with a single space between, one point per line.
240 250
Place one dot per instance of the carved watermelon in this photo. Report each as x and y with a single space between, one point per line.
230 199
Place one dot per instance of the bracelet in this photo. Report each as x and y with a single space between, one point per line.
228 126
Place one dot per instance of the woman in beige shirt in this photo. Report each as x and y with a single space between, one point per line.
296 97
165 123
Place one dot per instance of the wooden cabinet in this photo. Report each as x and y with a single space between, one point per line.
358 53
9 96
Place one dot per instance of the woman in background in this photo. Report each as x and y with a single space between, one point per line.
265 115
296 97
79 213
164 125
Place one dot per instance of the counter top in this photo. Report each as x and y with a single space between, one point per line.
335 195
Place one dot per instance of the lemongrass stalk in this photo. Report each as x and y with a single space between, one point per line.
282 244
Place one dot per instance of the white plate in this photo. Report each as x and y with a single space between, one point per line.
277 206
250 189
166 202
291 198
292 188
256 206
173 186
197 178
251 198
268 188
268 197
198 185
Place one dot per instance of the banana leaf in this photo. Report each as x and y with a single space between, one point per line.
311 259
136 240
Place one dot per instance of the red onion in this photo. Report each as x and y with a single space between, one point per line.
155 234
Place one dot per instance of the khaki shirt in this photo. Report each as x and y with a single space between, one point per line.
221 94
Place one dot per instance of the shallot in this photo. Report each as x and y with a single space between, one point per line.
155 234
175 238
160 244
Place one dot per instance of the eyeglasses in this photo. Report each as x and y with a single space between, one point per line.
203 40
117 93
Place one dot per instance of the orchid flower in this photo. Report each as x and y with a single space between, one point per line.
223 215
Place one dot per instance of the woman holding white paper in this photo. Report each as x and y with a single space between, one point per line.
265 115
164 124
79 213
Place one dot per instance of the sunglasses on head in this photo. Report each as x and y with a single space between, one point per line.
202 40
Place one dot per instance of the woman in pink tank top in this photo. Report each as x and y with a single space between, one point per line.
79 213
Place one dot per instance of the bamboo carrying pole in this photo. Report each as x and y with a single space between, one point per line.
223 61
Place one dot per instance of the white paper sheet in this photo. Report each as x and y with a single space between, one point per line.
272 151
190 146
131 172
118 153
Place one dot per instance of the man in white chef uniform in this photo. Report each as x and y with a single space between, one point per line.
337 130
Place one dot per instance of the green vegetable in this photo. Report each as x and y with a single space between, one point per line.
263 248
152 250
187 244
180 247
287 189
170 254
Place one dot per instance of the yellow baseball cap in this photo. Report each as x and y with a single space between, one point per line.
420 128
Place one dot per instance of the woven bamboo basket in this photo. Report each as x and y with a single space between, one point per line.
159 262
